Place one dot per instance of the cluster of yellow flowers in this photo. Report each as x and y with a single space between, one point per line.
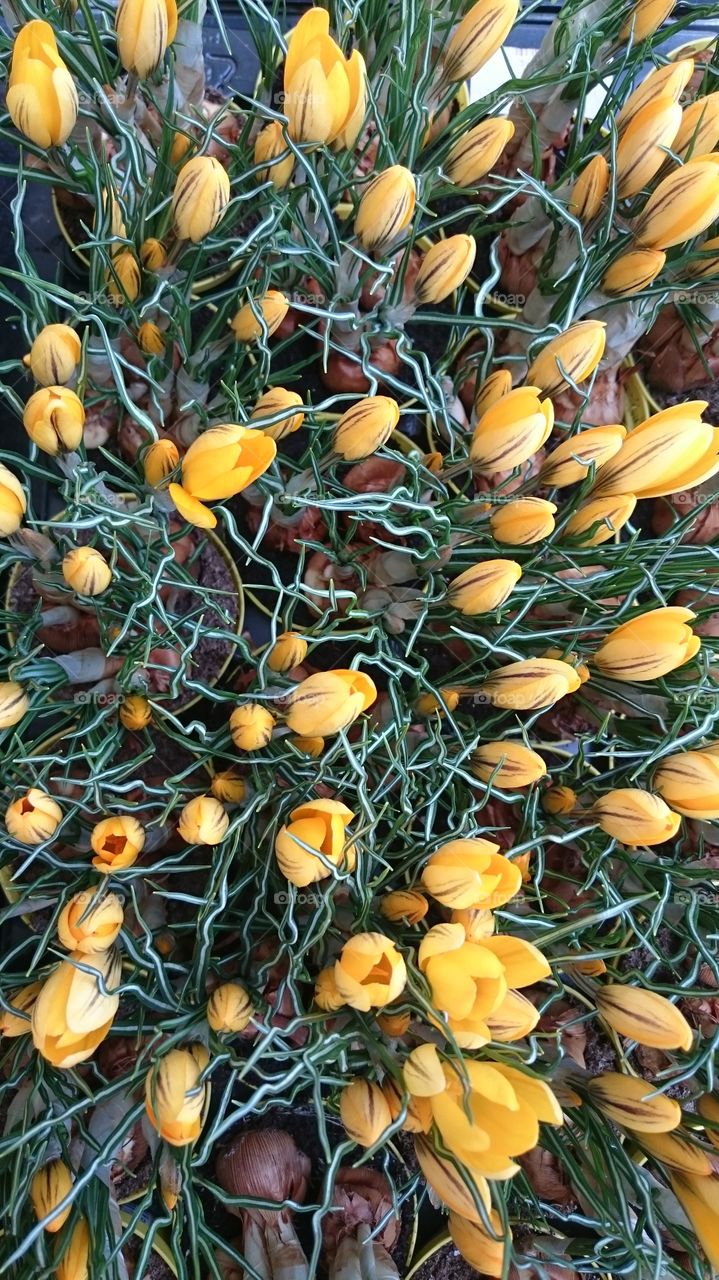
400 758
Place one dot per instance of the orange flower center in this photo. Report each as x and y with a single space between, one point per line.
114 845
380 972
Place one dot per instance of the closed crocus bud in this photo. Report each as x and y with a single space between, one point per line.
272 307
471 873
453 1185
270 145
633 272
13 703
394 1025
181 144
201 195
175 1098
54 418
123 278
668 81
530 684
151 339
429 705
13 503
559 800
277 400
671 451
481 1250
365 427
480 34
683 205
404 905
329 701
33 818
418 1118
90 921
497 385
635 817
699 1199
326 995
74 1259
699 129
111 212
54 355
523 521
135 712
645 18
588 192
589 968
203 821
644 1016
444 268
144 29
160 461
708 1109
484 587
507 764
117 843
153 254
86 571
475 154
219 464
570 357
513 1019
49 1187
76 1007
318 825
386 209
370 972
229 1008
477 922
569 463
356 73
288 651
511 431
648 646
643 145
633 1103
325 93
308 746
251 726
228 787
364 1112
423 1073
600 519
41 95
689 782
706 261
15 1021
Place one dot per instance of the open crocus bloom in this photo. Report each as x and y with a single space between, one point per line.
219 464
325 93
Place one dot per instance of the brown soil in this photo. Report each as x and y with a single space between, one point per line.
155 1269
133 1182
599 1054
446 1264
707 391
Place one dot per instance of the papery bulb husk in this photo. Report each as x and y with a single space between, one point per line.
266 1165
362 1197
362 1257
286 1255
